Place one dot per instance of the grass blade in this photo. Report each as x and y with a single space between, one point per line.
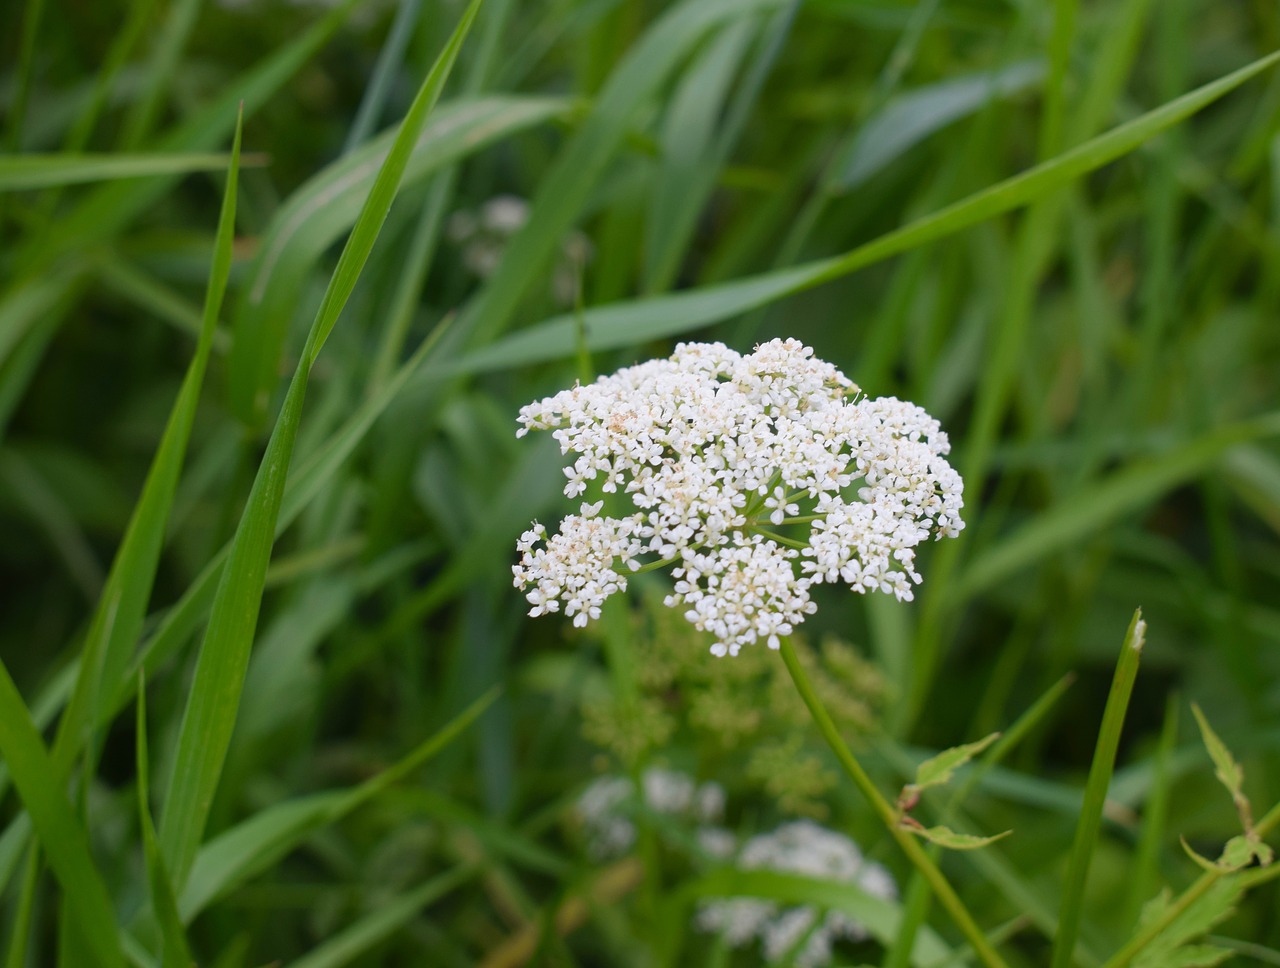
567 186
319 212
117 620
1095 794
209 717
175 951
179 23
110 208
22 172
255 844
62 839
1094 507
913 116
690 159
627 324
355 940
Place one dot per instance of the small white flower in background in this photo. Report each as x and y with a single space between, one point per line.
483 235
602 807
801 847
714 449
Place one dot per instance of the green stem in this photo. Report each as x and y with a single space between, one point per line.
1095 792
1188 897
782 539
909 844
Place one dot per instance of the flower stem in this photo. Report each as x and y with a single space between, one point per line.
909 844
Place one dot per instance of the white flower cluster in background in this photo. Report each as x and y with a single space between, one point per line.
801 847
756 476
483 235
608 824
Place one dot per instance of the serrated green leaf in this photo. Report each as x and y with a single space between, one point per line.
1227 770
1239 852
939 769
1214 867
1213 906
1244 849
948 838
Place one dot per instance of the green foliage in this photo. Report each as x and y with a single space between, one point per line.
275 628
1173 945
938 770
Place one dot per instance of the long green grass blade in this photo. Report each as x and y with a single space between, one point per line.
62 839
172 38
1095 794
209 717
319 212
21 172
354 941
1108 500
20 930
915 115
116 625
566 188
175 952
253 845
630 323
690 162
182 620
111 207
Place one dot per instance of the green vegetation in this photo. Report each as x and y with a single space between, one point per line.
275 280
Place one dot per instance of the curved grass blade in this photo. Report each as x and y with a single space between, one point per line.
22 172
1094 507
568 185
1095 794
179 22
354 941
253 845
630 323
117 619
692 151
62 838
913 116
181 621
110 208
24 306
209 717
319 212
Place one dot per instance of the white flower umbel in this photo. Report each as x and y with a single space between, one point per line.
802 847
754 476
602 807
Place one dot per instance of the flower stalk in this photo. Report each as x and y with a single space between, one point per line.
908 842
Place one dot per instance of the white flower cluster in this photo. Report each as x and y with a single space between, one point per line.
801 847
483 235
603 806
716 450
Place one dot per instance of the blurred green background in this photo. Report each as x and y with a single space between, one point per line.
1105 357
